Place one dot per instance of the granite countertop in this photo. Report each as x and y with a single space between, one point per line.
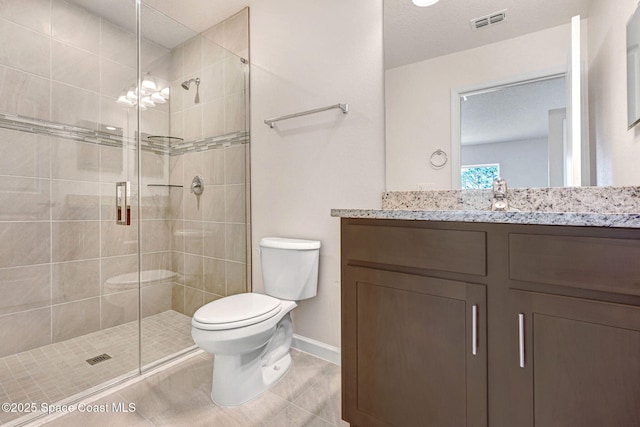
615 220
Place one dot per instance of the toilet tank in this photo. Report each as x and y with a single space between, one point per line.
289 267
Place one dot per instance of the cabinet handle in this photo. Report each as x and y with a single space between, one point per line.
521 338
474 330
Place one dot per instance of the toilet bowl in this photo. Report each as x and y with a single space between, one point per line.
250 334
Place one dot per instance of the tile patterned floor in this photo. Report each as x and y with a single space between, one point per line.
308 395
59 371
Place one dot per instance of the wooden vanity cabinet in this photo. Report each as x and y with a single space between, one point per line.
580 362
413 344
576 327
556 325
412 355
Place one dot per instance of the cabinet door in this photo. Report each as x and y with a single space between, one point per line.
413 350
576 362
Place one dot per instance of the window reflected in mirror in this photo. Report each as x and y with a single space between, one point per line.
477 177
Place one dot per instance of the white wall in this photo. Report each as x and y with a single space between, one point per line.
555 146
308 54
617 149
522 163
418 98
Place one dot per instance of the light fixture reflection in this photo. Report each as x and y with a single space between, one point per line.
158 98
131 93
149 83
124 101
425 3
152 91
147 102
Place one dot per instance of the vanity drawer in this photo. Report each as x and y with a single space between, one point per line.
455 251
599 264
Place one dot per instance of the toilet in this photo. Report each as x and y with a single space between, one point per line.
250 334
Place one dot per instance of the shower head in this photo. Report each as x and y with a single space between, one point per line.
185 84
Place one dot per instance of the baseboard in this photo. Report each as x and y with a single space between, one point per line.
316 348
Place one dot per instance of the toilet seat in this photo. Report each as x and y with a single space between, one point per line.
236 311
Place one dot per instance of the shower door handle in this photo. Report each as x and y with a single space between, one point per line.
123 203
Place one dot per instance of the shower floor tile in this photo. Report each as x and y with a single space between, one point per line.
59 371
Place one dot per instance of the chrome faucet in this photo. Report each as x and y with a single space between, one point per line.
499 195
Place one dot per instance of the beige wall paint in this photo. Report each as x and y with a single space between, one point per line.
418 99
615 145
306 166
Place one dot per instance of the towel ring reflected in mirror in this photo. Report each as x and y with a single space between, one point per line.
438 159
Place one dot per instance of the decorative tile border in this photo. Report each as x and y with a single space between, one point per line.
43 127
115 138
211 143
616 200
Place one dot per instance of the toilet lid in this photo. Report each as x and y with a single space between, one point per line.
236 311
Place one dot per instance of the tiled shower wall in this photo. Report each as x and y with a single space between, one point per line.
60 244
215 57
57 220
209 243
209 249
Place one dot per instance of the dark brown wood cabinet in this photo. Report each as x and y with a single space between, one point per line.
418 350
579 361
460 324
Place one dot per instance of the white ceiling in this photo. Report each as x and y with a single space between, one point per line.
198 15
512 113
166 22
413 34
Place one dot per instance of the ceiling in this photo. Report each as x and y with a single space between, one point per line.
513 113
413 34
166 22
198 15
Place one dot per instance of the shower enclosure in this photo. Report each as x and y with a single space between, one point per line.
123 198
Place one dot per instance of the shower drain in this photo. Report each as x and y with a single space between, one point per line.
98 359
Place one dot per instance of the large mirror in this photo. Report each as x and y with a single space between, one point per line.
492 86
633 69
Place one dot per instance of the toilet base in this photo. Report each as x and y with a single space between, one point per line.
272 374
239 378
228 394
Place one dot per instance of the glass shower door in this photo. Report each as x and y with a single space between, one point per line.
106 252
67 326
194 194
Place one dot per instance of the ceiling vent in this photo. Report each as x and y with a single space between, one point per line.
489 20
